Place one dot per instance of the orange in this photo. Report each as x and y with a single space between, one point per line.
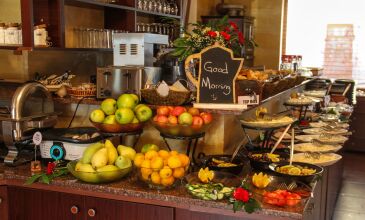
145 172
174 162
165 172
174 153
157 163
138 159
155 178
178 173
150 154
146 164
184 160
168 181
165 162
164 154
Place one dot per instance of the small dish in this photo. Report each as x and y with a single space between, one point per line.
303 178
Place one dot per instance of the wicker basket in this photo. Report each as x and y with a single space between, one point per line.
151 96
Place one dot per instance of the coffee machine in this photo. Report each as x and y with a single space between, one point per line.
133 64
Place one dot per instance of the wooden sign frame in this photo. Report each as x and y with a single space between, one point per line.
198 56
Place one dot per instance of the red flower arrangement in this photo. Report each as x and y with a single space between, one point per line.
241 198
225 33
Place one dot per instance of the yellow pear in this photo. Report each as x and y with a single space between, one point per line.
100 158
90 151
107 168
87 168
126 152
112 152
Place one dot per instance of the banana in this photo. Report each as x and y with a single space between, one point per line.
112 152
100 158
90 151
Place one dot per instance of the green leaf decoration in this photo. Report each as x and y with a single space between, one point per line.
252 206
237 206
32 179
45 179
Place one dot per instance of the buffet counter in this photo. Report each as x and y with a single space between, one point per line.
126 192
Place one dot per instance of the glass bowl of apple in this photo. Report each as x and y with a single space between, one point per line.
179 121
122 115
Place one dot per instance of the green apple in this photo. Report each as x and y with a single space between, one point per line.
135 97
143 113
97 116
109 106
185 119
127 101
110 119
124 115
123 162
148 147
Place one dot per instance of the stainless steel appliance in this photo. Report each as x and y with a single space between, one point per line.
133 64
112 81
24 108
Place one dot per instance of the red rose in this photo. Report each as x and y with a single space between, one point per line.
225 35
233 25
241 194
50 168
241 38
227 29
212 34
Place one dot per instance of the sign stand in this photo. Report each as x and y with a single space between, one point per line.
218 71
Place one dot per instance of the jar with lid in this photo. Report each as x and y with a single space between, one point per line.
12 34
2 33
40 35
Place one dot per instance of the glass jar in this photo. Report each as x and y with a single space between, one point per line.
12 34
2 33
40 36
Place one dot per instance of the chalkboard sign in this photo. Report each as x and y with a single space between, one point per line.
217 75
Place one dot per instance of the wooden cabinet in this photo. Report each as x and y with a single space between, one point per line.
32 204
3 203
63 16
356 140
103 209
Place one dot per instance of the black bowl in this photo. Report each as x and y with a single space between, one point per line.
306 178
264 165
207 161
226 158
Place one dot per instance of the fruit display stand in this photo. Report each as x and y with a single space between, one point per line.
121 135
191 147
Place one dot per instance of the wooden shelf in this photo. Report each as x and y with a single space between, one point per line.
159 14
75 49
93 2
10 47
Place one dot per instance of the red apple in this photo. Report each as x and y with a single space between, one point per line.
207 117
162 119
197 121
185 118
172 119
170 108
193 111
178 110
163 110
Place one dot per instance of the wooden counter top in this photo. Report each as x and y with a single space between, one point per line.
131 190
